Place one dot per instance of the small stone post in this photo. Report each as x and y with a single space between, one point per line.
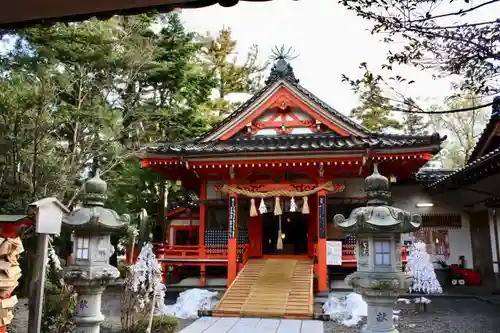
90 271
379 277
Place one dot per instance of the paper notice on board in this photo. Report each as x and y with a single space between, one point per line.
334 253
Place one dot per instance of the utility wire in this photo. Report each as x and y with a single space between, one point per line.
472 108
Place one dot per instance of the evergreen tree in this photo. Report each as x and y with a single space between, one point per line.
419 265
232 75
414 123
374 109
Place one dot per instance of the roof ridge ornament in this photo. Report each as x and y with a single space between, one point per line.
281 68
95 190
377 188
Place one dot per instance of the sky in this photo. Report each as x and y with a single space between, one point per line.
329 39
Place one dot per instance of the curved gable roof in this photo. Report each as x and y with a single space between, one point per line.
282 80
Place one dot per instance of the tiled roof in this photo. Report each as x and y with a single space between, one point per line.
494 118
428 175
287 75
480 167
298 142
294 142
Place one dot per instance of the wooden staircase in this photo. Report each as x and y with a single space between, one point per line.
270 288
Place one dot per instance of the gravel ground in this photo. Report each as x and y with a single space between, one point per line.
110 308
444 315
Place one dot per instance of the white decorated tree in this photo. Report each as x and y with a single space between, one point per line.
420 266
143 291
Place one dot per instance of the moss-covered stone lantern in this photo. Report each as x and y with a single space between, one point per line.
379 277
90 271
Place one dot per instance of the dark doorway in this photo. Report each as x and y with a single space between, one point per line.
482 260
293 229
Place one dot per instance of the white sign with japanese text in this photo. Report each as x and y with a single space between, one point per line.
334 253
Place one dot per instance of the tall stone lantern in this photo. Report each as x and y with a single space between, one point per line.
379 277
90 271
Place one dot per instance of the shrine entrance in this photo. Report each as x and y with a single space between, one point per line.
294 233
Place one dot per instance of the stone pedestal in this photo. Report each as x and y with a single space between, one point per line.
88 317
380 315
380 291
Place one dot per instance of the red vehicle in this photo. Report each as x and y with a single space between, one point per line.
463 276
458 276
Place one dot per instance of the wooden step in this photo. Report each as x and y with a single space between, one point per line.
270 288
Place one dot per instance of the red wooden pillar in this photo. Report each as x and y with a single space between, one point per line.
321 248
203 276
203 216
232 243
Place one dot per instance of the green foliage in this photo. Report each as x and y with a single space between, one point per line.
102 90
415 124
59 308
374 111
463 128
71 92
231 75
161 324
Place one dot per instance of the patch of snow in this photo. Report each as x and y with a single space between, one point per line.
403 300
349 310
422 300
190 301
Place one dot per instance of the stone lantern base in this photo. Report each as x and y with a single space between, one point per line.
380 315
380 291
89 284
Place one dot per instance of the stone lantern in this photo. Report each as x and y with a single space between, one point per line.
90 271
379 277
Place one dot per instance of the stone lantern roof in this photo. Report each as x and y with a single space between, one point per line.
378 216
92 216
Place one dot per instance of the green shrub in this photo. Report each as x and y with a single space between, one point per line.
161 324
59 308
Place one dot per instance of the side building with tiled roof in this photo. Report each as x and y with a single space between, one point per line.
475 190
271 176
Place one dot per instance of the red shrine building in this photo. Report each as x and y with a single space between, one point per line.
271 176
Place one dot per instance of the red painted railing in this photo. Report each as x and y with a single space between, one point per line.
166 251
